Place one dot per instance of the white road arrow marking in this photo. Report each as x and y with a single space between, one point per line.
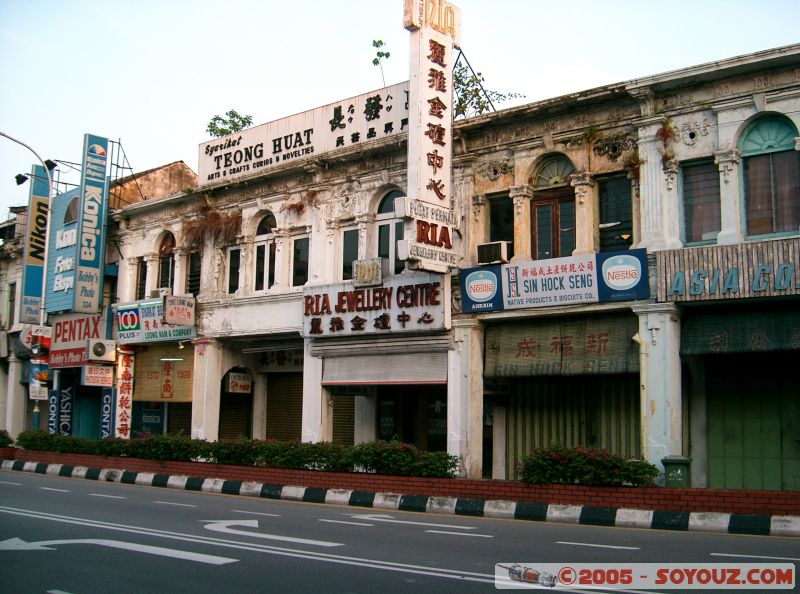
389 518
225 526
17 544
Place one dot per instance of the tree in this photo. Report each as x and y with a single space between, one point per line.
380 55
470 97
219 126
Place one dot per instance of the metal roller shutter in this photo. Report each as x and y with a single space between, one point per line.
284 406
235 416
179 418
344 411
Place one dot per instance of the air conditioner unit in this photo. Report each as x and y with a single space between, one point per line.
493 253
102 350
162 292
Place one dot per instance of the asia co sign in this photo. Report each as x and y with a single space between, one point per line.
604 277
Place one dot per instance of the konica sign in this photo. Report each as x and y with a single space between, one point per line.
91 225
609 276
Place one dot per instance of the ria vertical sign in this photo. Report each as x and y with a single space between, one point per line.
35 247
91 225
431 221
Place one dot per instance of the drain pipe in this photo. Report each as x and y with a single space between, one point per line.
642 391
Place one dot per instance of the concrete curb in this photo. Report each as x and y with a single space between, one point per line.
542 512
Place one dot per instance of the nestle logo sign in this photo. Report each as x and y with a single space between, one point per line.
481 285
622 272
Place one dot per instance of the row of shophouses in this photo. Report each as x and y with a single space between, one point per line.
627 277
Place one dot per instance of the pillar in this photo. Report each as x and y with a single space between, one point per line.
521 197
181 264
465 397
152 274
259 425
586 221
731 228
660 381
16 395
208 372
317 420
365 428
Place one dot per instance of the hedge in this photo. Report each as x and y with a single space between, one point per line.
381 457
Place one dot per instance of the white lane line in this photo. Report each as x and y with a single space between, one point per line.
52 489
345 522
107 496
242 511
460 533
600 546
176 504
754 557
10 483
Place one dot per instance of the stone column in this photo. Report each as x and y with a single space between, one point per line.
317 420
731 227
521 197
651 176
282 268
586 221
16 395
365 428
465 397
659 339
208 371
181 264
128 278
260 395
151 283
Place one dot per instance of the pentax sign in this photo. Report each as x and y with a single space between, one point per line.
430 221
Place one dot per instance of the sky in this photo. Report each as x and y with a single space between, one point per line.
152 73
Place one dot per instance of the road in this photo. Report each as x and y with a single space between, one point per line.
61 535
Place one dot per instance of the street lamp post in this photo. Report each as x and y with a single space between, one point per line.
35 420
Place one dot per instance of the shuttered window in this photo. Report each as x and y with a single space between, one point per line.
701 206
179 418
284 406
235 416
344 409
616 214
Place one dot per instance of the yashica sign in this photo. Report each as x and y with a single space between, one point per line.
344 124
406 303
179 311
98 375
434 26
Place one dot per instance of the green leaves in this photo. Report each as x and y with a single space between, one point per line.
379 55
233 122
582 466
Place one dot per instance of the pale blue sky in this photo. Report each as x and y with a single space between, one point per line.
152 73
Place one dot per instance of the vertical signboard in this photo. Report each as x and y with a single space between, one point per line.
123 409
91 225
35 247
107 413
62 252
434 26
52 412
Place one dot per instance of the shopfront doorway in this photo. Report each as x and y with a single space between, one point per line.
415 414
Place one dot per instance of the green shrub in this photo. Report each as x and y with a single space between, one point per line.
395 457
178 448
582 466
6 440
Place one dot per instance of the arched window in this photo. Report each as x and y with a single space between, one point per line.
166 261
771 176
390 231
71 214
264 244
553 210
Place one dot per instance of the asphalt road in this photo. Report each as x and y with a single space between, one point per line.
60 535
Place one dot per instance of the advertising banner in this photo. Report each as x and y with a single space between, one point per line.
62 252
143 321
91 225
35 248
594 278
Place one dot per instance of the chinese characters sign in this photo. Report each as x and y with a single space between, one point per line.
143 322
122 412
344 124
434 26
179 311
608 276
401 304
